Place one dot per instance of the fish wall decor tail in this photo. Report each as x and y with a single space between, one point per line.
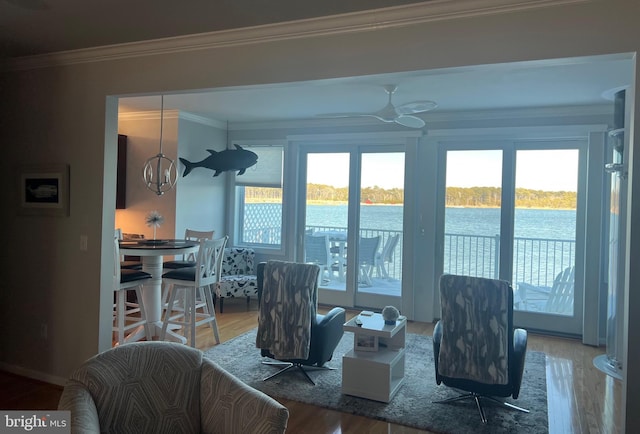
224 161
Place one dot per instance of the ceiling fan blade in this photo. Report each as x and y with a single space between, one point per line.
342 115
409 121
355 115
401 114
415 107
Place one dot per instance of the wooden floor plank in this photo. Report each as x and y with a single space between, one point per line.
581 399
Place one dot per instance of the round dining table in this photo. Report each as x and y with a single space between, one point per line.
152 253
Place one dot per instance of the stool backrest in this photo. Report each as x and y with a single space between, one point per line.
209 262
191 235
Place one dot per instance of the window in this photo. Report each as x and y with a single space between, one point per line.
258 212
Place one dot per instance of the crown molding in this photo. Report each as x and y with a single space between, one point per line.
557 132
452 116
203 120
375 19
154 115
149 115
520 113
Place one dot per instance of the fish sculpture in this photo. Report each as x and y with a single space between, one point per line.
224 161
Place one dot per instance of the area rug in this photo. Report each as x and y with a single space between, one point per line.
412 405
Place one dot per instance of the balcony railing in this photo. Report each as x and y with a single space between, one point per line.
536 260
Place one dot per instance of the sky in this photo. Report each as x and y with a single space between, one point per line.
547 170
386 170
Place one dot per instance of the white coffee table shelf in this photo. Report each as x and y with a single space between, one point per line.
377 371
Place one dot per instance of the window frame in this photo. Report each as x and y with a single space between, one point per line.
235 203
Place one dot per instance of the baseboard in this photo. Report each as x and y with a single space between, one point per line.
35 375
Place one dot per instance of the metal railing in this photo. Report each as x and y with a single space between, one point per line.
394 268
536 260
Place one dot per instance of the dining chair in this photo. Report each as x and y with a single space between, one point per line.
190 290
128 316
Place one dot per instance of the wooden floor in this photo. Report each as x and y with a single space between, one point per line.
581 399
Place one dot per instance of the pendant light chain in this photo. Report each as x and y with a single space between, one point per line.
165 176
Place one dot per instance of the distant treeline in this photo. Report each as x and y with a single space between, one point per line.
456 196
525 198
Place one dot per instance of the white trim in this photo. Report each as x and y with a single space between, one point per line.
30 373
348 137
152 115
368 20
149 115
563 132
203 120
520 113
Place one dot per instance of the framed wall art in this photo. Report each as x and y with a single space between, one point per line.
43 189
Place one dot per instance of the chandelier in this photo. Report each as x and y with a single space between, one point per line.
160 173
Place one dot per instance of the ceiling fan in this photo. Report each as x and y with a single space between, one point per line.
402 114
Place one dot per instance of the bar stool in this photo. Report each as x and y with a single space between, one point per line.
190 259
190 282
128 316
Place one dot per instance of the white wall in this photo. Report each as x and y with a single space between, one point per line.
62 113
200 197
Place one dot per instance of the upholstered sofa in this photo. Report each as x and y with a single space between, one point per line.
238 278
162 387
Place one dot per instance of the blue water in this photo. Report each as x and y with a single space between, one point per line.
529 223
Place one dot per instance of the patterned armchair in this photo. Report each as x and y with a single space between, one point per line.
163 387
238 278
475 347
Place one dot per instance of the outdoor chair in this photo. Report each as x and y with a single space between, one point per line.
290 330
367 251
386 256
558 299
163 387
475 346
317 251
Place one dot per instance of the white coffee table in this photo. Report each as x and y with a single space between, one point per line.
374 368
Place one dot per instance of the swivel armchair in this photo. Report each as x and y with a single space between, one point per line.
163 387
290 330
475 346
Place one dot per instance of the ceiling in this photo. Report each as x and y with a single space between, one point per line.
544 84
29 27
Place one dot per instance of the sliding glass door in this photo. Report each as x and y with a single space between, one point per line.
353 205
380 228
512 213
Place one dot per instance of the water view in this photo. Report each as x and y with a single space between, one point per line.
532 223
544 243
